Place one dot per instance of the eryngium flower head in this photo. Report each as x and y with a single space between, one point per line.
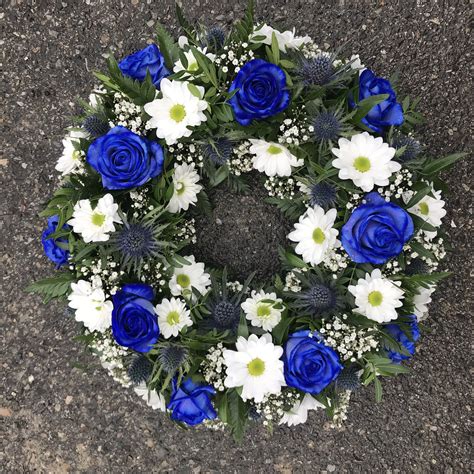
225 315
316 71
218 151
412 150
326 126
417 267
140 369
136 241
349 379
215 38
96 126
322 194
172 357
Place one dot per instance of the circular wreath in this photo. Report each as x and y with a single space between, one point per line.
334 149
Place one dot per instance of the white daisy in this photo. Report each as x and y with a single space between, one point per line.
189 276
356 63
92 309
377 297
299 412
272 158
366 160
421 300
255 366
431 210
192 62
263 314
94 225
315 234
176 110
172 316
152 398
70 160
286 39
186 189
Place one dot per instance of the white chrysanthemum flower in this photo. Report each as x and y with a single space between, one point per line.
192 62
94 225
255 366
92 309
272 158
177 110
376 297
186 189
315 234
421 300
172 317
70 160
356 63
299 412
152 398
286 39
263 314
188 277
366 160
431 210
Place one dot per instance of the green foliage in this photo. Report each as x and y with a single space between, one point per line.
54 287
169 49
233 411
435 166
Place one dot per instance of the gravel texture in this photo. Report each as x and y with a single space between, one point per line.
59 412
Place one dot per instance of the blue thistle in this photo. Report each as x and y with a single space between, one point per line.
412 150
225 315
326 126
172 357
417 267
96 126
136 241
348 379
317 71
140 369
219 151
322 194
215 38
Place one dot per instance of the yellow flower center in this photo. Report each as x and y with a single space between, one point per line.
177 113
362 164
263 311
76 154
424 208
375 298
98 219
256 367
183 280
318 235
172 318
274 150
180 188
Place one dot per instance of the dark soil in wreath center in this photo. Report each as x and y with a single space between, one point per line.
243 233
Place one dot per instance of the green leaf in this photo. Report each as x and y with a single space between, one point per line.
194 90
366 105
275 49
237 416
435 166
378 390
280 331
243 329
417 197
291 259
54 287
168 47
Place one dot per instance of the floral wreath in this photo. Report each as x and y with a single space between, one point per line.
335 151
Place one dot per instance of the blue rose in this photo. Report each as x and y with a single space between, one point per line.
407 341
376 231
148 59
262 91
310 365
52 250
124 159
387 113
191 402
134 321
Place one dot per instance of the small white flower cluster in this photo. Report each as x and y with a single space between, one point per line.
187 153
103 274
111 356
282 188
310 50
216 424
350 342
213 367
434 245
354 200
236 286
295 131
392 268
341 409
292 282
273 407
335 259
235 55
140 202
152 273
127 114
186 231
242 159
401 184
